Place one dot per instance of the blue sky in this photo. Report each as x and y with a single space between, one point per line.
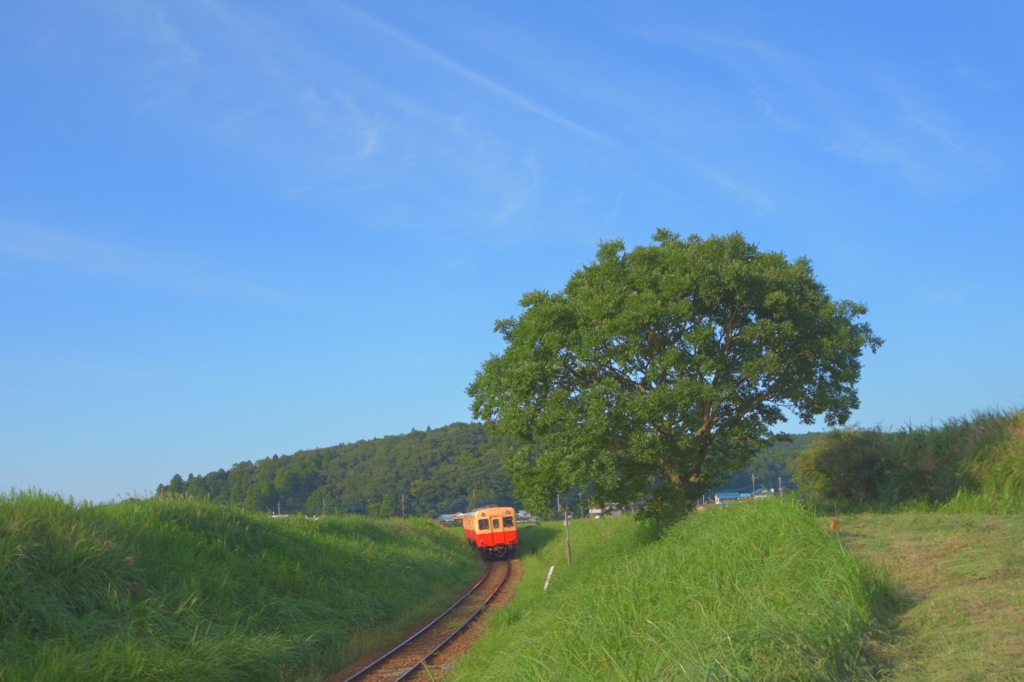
230 230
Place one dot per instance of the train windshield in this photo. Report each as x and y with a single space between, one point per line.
510 522
484 524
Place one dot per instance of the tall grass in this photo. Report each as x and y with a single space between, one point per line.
174 589
978 462
751 592
996 473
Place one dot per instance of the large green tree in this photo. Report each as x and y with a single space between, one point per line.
658 371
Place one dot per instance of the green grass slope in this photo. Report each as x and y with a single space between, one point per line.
750 592
173 589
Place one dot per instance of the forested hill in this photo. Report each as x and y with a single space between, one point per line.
454 468
437 471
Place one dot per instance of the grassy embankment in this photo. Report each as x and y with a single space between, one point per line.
174 589
750 592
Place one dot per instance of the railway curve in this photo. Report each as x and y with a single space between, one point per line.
430 650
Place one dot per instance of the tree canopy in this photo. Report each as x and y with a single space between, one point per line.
658 371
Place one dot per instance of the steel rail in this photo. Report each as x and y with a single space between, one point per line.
369 668
423 661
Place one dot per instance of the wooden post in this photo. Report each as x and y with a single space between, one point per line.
568 547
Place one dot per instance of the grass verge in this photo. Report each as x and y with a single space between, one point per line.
174 589
750 592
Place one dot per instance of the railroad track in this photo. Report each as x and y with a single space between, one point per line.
416 652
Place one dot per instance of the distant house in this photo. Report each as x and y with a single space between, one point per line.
449 519
612 509
725 497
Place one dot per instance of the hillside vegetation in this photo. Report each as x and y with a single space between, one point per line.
968 464
175 589
449 469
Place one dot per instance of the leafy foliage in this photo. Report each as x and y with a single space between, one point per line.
454 468
844 465
656 372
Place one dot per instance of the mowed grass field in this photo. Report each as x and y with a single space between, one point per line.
961 580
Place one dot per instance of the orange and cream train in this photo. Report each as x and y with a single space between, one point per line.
492 531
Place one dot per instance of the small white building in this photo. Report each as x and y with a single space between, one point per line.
609 510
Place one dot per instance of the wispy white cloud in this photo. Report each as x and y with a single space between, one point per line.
851 111
151 20
919 143
737 190
867 146
472 76
166 64
257 86
947 294
25 245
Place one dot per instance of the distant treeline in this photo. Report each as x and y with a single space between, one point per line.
772 467
449 469
453 468
975 463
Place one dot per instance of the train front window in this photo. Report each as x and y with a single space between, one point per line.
483 524
510 522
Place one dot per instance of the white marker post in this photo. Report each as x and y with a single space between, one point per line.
550 572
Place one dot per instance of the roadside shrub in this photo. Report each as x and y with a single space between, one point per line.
929 466
845 465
